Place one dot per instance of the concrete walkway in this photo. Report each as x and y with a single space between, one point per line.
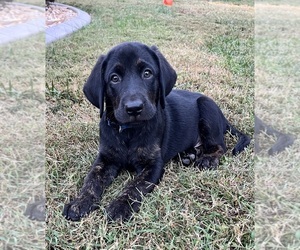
64 29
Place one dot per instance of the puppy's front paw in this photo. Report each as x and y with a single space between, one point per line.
78 208
119 210
207 162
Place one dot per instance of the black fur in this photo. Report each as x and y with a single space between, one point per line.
145 125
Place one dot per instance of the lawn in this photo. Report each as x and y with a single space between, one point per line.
22 144
211 46
250 201
277 91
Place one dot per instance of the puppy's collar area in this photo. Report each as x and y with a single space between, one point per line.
122 127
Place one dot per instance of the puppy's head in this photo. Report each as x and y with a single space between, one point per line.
132 79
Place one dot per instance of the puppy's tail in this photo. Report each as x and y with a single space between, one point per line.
243 139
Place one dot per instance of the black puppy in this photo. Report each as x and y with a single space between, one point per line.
144 126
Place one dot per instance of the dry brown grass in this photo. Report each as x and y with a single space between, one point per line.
22 129
277 102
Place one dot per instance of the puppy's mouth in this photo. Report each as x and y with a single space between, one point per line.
124 118
135 119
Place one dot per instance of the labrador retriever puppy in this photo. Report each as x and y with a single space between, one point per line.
144 124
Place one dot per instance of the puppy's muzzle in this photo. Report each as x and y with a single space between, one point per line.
134 108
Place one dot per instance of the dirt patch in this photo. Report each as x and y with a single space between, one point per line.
56 14
12 14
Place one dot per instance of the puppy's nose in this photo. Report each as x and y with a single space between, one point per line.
134 108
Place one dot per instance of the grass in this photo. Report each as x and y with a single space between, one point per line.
246 203
277 102
237 53
189 209
22 128
238 2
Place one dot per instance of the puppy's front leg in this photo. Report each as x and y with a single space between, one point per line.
99 177
129 200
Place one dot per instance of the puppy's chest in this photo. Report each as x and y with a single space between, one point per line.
134 153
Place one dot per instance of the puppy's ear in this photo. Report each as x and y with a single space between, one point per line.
94 88
167 76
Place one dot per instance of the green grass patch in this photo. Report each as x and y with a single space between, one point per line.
277 102
239 2
238 53
22 128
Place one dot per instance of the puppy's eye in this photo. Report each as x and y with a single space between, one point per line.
147 73
114 78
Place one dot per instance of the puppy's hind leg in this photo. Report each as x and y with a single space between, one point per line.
211 126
